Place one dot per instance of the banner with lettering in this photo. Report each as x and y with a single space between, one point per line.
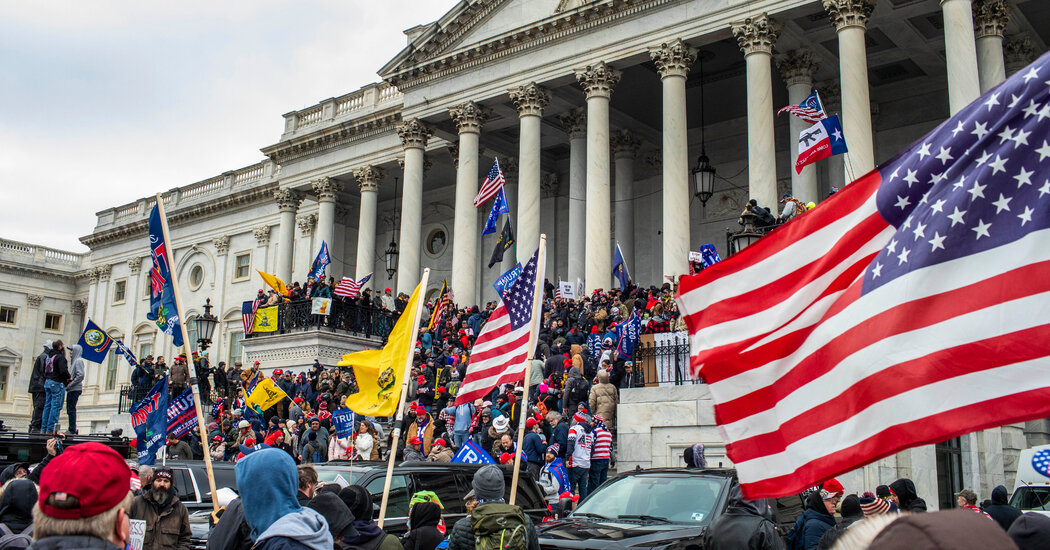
343 420
148 419
471 453
182 416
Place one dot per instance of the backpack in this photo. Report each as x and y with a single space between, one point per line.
10 539
49 364
578 391
498 526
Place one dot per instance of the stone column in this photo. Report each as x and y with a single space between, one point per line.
960 52
222 261
327 191
756 36
829 95
414 135
575 124
598 81
850 18
307 226
368 178
287 202
549 223
673 61
625 147
262 241
133 295
989 21
797 68
530 101
92 300
29 349
1019 52
510 173
468 118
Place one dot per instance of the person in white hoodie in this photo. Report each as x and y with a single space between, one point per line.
77 368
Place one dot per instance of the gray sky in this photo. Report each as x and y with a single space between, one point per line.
108 101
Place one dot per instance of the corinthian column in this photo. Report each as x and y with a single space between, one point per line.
960 52
797 68
530 101
673 60
368 178
468 118
756 36
625 147
989 21
287 203
1019 52
575 124
850 18
414 135
327 191
598 81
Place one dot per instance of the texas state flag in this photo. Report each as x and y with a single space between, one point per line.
820 141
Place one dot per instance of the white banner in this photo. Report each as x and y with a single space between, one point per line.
137 535
321 306
568 290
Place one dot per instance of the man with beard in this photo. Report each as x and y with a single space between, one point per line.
167 521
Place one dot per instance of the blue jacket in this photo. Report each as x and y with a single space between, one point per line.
560 435
814 525
464 414
533 447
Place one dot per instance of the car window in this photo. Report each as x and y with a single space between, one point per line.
680 499
446 489
184 485
397 504
224 477
1031 498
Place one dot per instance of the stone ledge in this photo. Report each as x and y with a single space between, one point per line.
299 349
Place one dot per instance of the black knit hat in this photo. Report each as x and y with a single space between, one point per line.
358 500
850 507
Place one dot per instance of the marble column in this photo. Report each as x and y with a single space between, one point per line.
829 96
850 18
530 101
960 52
327 191
92 300
414 135
222 250
133 293
32 319
287 202
989 21
756 36
1019 52
262 242
307 224
468 117
625 147
797 68
598 81
673 61
575 124
368 178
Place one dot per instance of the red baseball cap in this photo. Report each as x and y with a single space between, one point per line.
93 473
415 441
530 423
441 442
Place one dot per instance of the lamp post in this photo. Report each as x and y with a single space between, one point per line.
746 236
206 326
703 174
391 253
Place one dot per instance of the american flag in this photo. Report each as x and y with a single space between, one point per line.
349 288
493 183
248 309
810 110
439 306
913 308
122 349
498 356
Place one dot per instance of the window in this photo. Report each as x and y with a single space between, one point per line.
436 242
196 276
145 286
191 330
445 487
3 382
53 321
8 315
145 350
949 472
120 289
397 503
235 347
243 265
111 372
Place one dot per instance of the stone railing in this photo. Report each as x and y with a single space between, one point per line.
369 98
206 187
346 317
40 254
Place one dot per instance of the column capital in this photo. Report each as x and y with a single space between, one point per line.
287 199
368 177
549 185
623 143
830 95
103 272
221 244
1018 49
261 234
509 165
849 13
468 117
135 265
673 58
756 34
530 99
92 274
306 223
78 307
598 80
326 188
990 17
34 300
797 67
414 133
575 122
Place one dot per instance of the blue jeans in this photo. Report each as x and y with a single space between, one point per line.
578 478
55 393
459 438
599 473
71 410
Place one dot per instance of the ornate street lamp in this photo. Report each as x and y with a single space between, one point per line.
391 253
704 174
746 236
206 326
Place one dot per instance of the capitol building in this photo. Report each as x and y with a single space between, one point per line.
598 112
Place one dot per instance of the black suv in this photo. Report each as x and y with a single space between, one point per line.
31 448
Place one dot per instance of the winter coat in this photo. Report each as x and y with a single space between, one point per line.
603 397
560 435
576 390
744 525
365 445
339 447
181 450
1000 511
424 518
1030 531
371 537
462 536
36 379
815 521
167 523
60 367
321 442
73 543
904 488
180 374
533 447
16 505
77 369
440 454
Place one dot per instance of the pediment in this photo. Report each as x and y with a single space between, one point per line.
510 15
8 355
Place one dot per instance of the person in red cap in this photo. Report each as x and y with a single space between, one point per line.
818 517
440 452
534 446
412 450
84 500
167 520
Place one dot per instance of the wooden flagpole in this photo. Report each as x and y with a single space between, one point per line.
537 317
396 436
189 357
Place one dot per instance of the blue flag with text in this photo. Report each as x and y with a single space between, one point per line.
162 309
471 453
150 421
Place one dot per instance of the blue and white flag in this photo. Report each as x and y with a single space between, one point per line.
343 420
810 110
507 279
471 453
499 207
709 255
94 343
628 333
182 415
620 269
121 349
254 418
150 421
321 262
162 308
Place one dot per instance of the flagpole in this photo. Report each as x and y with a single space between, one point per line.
537 313
170 254
396 435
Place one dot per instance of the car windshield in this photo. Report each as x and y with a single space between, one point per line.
655 497
1031 498
326 475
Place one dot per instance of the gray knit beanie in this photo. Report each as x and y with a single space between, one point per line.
488 483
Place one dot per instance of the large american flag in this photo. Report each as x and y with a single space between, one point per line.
349 288
248 309
493 183
912 308
499 353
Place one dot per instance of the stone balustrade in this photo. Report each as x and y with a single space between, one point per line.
363 101
40 254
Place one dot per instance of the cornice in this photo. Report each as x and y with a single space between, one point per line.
38 272
333 137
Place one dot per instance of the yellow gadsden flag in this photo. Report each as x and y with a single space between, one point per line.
265 320
266 394
274 282
380 372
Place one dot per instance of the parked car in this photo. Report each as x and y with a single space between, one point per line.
31 448
1032 484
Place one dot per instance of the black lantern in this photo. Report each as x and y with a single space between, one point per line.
392 253
746 236
704 174
206 326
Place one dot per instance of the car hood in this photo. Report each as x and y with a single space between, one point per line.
615 533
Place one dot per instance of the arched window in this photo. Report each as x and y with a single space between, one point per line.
113 364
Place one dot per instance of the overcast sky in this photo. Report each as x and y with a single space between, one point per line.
105 102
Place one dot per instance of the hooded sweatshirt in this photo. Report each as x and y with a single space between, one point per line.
77 368
423 519
269 484
904 488
1000 511
16 506
743 525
